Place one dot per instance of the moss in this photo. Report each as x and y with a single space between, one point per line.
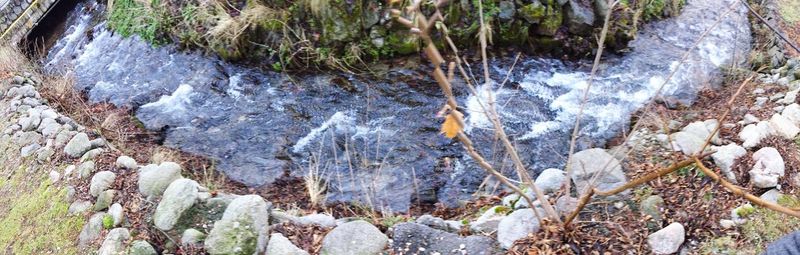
789 11
128 17
533 12
108 221
765 226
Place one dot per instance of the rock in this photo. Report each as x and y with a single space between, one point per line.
790 98
126 163
243 228
413 238
792 112
760 102
27 151
586 163
192 236
436 223
739 214
550 180
101 181
78 145
44 154
507 10
116 213
85 169
179 196
566 205
776 96
140 247
91 230
533 13
703 129
49 128
667 240
78 207
580 18
153 179
104 200
92 154
18 80
771 196
752 134
317 219
517 225
652 206
280 245
769 166
783 126
115 242
355 237
749 119
488 221
726 156
726 224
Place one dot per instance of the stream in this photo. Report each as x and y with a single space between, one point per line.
376 141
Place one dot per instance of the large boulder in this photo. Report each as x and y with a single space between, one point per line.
101 181
243 228
768 168
413 238
154 179
783 126
585 164
550 180
725 156
354 238
516 226
751 135
78 145
179 196
667 240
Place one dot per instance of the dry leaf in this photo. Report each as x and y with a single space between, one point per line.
451 127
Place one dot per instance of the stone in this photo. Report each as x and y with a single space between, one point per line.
280 245
551 180
243 228
792 112
586 163
141 247
652 206
104 200
192 236
580 18
114 244
790 98
667 240
726 156
324 220
760 102
355 237
154 179
44 154
488 221
85 169
752 134
179 196
78 145
517 225
126 162
101 181
18 80
27 138
436 223
91 230
771 196
78 207
703 129
507 10
726 224
413 238
49 128
116 213
768 167
566 205
29 150
783 126
92 154
533 12
749 119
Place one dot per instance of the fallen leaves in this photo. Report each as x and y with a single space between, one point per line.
452 122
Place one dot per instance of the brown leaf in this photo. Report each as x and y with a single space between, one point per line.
451 127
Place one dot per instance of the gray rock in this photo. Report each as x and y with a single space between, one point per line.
85 169
101 181
516 226
783 126
154 179
114 244
317 219
280 245
140 247
91 230
44 154
586 163
488 221
580 18
771 196
413 238
790 98
687 143
78 145
116 213
92 154
752 134
792 112
126 163
243 228
726 224
179 196
667 240
78 207
749 119
27 138
54 176
652 206
18 80
356 237
550 180
566 205
104 200
29 150
49 128
760 102
437 223
768 167
192 236
507 10
726 156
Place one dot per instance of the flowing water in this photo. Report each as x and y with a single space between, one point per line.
376 141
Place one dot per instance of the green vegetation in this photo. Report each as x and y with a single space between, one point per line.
765 226
790 11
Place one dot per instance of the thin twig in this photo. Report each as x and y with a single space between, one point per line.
777 32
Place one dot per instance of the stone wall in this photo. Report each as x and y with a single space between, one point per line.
19 17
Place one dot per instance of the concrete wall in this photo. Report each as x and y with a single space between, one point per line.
19 17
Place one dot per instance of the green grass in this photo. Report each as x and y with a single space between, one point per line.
790 11
765 226
131 18
33 211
